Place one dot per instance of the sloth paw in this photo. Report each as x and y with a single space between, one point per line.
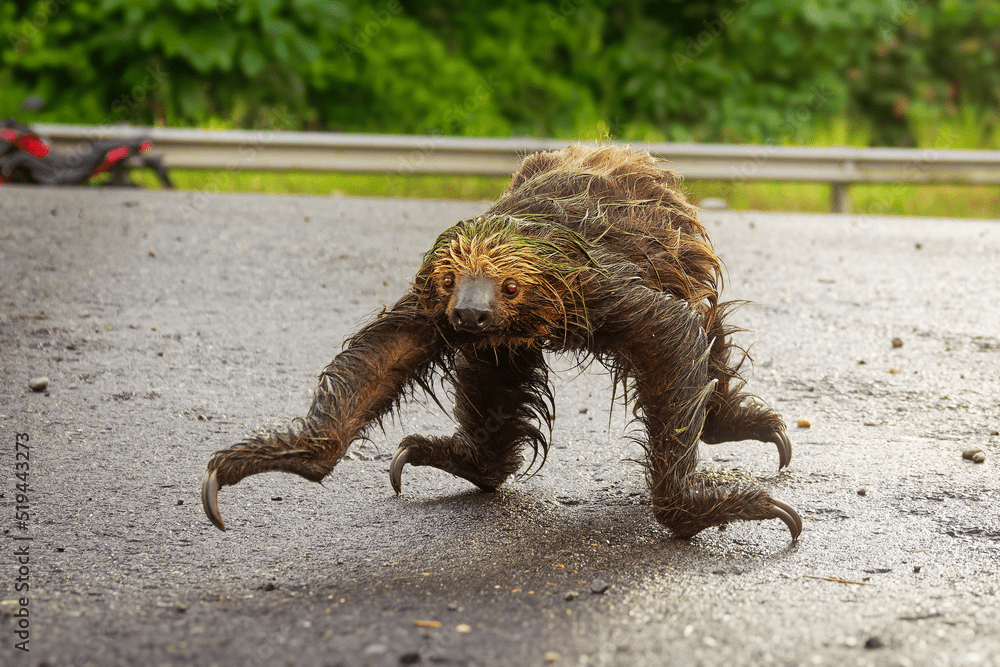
780 438
396 468
417 451
210 500
453 455
783 511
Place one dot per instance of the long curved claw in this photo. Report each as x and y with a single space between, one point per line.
210 500
780 438
396 469
789 516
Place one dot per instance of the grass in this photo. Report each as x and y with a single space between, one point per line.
333 183
944 200
962 129
934 200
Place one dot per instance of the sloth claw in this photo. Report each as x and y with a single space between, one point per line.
783 511
780 438
396 469
210 500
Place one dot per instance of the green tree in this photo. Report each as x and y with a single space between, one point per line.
773 71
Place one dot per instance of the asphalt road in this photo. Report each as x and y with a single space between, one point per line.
171 324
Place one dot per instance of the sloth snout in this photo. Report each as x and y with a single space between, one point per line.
474 303
473 318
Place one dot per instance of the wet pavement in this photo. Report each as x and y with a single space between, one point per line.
171 324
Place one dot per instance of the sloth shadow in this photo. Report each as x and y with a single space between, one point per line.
532 536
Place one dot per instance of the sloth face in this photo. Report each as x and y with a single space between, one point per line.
478 301
498 281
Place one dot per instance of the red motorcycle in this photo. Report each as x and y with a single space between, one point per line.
26 158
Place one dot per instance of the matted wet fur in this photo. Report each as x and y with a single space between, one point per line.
592 250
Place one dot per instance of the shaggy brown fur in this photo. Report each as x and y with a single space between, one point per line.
593 251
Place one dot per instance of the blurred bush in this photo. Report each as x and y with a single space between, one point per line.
774 71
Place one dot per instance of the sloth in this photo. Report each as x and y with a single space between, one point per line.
592 251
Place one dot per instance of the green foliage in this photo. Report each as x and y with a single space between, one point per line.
388 73
169 62
922 59
770 71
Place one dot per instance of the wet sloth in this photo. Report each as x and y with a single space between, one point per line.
592 251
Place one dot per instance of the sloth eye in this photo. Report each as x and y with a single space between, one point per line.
510 287
448 281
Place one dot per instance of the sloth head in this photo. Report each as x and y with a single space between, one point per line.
503 278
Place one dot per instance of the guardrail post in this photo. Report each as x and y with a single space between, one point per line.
840 197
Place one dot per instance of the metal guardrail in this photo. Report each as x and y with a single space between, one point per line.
406 154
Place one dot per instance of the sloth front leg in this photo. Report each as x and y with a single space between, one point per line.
502 397
397 350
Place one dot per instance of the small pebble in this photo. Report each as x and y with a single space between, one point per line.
916 569
452 606
39 383
994 432
803 423
375 649
181 608
552 656
571 595
463 628
873 642
599 586
974 455
862 492
897 342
